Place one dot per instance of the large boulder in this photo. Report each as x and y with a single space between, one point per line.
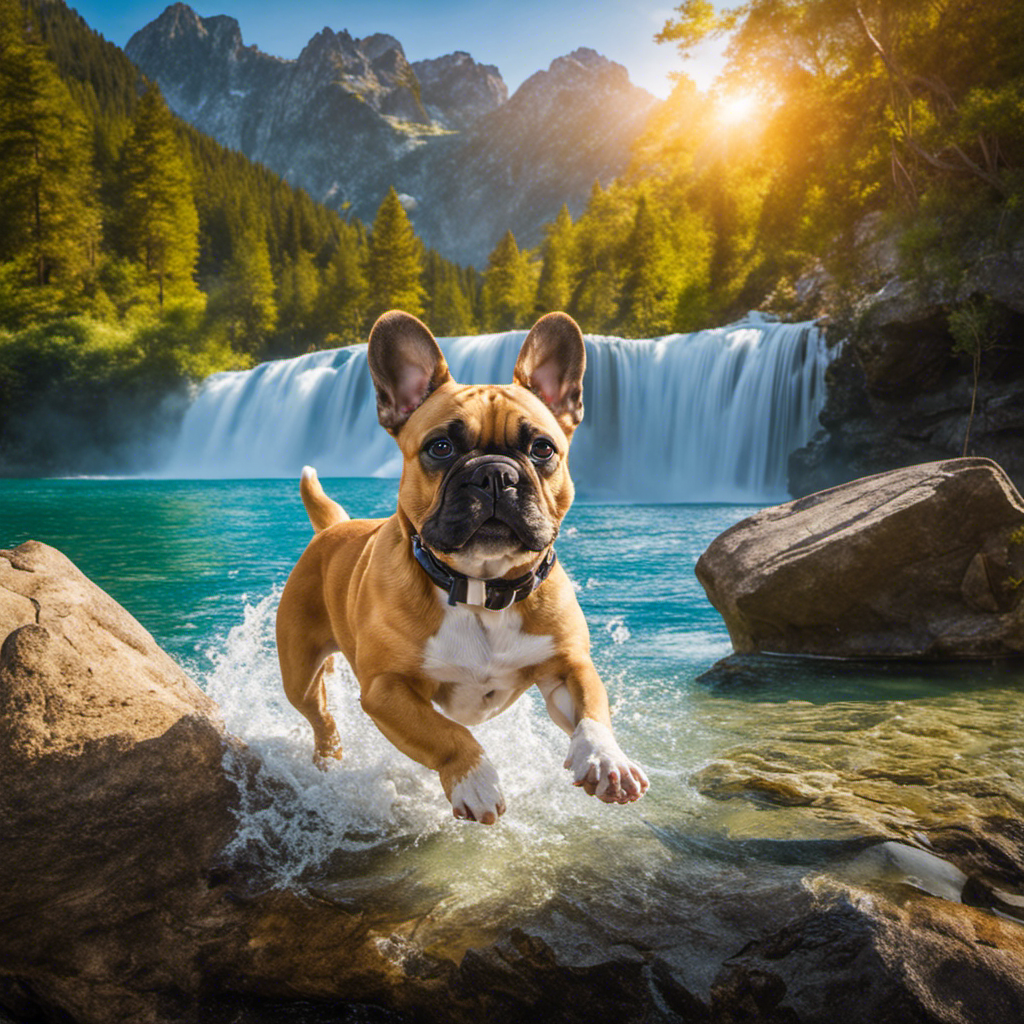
114 803
922 562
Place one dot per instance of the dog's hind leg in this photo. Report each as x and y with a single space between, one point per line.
304 657
305 644
327 742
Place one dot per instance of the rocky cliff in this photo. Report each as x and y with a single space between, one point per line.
898 393
351 117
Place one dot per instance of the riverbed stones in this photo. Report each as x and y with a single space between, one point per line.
921 562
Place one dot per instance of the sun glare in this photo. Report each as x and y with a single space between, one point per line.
736 107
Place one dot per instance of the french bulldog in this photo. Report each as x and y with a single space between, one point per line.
450 609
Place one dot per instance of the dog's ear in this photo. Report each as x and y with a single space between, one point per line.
406 366
551 364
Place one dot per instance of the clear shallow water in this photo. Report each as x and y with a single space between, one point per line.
698 866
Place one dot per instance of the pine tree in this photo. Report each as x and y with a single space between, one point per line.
297 295
449 309
160 225
648 296
245 300
508 290
342 309
394 261
555 285
597 238
49 219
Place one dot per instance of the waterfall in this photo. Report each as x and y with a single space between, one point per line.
708 416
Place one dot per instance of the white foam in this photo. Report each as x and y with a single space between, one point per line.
294 817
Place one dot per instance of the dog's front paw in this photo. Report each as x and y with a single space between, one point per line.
477 795
600 767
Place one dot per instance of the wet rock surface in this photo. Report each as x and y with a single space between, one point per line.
931 914
919 562
851 838
897 394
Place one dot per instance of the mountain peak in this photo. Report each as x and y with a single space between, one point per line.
180 22
457 90
378 44
583 71
586 56
587 64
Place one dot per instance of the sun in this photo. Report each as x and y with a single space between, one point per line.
736 107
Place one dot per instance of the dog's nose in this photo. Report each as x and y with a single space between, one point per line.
495 475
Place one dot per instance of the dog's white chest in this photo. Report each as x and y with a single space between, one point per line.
478 657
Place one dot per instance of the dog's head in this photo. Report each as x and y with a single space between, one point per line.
485 478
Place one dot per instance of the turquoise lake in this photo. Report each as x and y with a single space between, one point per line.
185 557
201 563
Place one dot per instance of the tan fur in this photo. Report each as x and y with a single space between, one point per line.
357 589
322 511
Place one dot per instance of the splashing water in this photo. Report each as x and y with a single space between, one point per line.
347 824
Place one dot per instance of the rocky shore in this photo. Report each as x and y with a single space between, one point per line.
121 792
898 393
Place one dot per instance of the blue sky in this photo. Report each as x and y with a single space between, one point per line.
520 36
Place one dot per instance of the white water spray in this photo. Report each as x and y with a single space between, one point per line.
298 821
709 416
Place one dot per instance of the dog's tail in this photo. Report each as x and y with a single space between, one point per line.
322 511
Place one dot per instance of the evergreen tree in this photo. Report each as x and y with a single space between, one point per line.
648 296
245 300
508 289
160 225
555 284
342 309
298 292
598 239
49 220
394 261
449 310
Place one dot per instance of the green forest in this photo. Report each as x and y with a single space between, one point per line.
835 124
137 255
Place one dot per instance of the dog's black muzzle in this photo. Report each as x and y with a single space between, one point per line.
491 498
493 475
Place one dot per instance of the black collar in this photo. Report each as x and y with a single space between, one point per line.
491 594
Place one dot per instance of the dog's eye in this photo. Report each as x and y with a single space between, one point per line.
440 448
541 450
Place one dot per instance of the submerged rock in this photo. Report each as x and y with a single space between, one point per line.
922 562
